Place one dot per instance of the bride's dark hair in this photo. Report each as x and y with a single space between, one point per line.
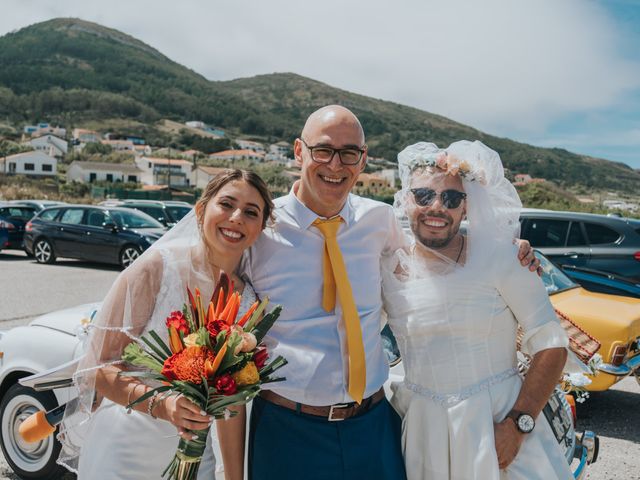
230 175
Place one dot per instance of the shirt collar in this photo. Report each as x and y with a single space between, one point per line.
304 216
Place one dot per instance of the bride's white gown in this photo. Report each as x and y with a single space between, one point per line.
121 446
457 336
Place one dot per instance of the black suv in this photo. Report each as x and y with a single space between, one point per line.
584 240
13 217
167 213
88 232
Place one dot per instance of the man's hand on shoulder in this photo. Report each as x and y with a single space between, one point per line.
527 257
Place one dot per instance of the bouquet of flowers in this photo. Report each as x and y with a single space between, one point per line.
213 358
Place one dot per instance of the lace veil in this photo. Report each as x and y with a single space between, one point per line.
140 299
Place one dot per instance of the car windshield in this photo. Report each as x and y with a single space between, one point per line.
554 279
133 219
177 212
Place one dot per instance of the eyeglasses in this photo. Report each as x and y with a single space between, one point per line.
450 199
322 154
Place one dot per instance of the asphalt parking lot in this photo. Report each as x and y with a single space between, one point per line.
28 289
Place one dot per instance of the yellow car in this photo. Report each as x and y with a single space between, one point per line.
613 320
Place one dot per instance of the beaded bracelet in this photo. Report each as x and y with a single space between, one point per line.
152 403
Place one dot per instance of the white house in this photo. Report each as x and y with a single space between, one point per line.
44 128
250 145
391 175
234 155
89 172
200 176
50 144
280 148
165 171
81 136
30 163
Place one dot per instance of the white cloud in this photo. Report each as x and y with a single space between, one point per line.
502 66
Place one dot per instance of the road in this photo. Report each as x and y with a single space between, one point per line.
29 289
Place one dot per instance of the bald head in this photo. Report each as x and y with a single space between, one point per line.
333 118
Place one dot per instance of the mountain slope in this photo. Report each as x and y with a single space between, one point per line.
74 71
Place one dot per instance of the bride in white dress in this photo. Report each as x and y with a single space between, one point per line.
454 302
102 440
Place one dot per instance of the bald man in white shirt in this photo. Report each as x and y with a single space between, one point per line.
312 425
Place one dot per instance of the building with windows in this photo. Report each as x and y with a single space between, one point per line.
89 172
371 182
50 144
201 176
33 164
43 129
251 145
165 171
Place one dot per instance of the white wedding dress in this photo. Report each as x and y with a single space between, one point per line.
457 335
135 446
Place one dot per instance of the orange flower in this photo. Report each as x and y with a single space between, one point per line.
188 365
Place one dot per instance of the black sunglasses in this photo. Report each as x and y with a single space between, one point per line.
449 198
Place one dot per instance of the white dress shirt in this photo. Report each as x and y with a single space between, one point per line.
285 264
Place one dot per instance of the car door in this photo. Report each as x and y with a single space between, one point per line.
69 237
100 242
560 240
607 255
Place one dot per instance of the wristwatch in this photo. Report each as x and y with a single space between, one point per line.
524 422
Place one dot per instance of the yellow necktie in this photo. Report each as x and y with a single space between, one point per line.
335 278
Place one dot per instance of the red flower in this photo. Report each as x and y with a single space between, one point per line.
225 384
217 326
178 320
260 357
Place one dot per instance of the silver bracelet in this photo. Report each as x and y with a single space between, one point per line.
152 403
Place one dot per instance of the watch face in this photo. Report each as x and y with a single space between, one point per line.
525 423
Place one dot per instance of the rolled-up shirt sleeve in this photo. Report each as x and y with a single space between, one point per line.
524 293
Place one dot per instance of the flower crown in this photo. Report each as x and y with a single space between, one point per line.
449 164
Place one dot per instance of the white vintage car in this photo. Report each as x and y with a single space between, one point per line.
54 340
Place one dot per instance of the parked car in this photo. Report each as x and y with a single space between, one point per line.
598 242
4 237
167 213
611 319
87 232
50 344
13 218
603 282
39 204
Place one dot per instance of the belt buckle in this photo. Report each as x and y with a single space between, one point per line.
336 407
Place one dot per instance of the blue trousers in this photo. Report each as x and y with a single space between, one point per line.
285 445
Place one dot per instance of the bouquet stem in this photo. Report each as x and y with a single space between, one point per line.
186 462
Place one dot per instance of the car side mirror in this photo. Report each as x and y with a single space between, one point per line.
110 226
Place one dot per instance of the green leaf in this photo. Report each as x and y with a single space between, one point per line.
160 355
267 322
161 343
193 391
256 315
135 355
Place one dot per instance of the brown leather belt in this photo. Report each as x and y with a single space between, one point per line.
332 413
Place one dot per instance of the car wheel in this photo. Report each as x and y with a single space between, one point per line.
43 251
28 460
128 254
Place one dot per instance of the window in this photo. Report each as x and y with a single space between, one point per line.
12 167
96 218
547 233
599 234
47 167
72 216
109 177
576 238
132 178
29 167
92 177
49 214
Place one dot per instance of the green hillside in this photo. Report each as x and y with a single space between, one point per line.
76 72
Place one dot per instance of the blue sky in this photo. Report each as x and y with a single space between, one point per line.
550 73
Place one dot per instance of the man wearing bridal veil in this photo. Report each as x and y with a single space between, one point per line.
455 299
